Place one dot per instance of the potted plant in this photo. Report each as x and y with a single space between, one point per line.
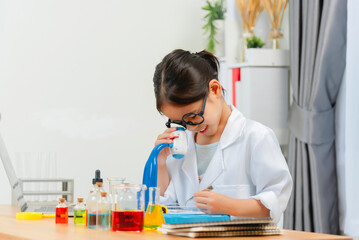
252 51
254 54
214 27
254 42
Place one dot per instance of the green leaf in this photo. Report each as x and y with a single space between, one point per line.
254 42
214 11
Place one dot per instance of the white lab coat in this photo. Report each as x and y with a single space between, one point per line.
248 157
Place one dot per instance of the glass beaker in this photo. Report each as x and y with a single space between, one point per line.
128 207
112 181
154 213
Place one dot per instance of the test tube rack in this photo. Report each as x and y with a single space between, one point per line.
67 189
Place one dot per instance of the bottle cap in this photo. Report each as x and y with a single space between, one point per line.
99 184
126 184
91 191
97 177
103 194
80 199
62 200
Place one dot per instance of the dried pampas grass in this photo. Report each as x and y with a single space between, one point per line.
275 10
249 10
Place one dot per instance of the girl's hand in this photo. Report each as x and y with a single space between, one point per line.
165 137
211 202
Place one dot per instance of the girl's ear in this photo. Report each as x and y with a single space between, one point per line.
215 87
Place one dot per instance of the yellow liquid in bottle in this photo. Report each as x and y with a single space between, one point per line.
154 216
79 216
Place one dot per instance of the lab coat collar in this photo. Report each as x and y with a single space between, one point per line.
234 128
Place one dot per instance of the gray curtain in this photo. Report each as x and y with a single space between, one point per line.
318 53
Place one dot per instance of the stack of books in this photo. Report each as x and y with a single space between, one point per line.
197 225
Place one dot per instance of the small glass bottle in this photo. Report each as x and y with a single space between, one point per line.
62 212
80 212
92 207
103 214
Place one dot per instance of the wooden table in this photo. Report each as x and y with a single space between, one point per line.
10 228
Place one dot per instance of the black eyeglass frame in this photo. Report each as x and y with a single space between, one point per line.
184 122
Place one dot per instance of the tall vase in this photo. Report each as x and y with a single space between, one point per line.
246 34
219 37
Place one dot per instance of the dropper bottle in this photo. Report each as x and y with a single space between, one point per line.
96 180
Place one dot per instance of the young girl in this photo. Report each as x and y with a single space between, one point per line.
239 157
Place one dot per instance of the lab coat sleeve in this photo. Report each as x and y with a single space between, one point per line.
270 175
169 197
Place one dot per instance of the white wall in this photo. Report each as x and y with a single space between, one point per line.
348 130
76 79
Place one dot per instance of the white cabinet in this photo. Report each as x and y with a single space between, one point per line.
261 93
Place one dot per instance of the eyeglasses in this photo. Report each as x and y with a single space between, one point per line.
191 119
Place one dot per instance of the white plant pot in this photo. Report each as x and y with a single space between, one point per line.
219 36
266 57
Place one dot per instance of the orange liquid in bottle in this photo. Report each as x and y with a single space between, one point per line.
62 214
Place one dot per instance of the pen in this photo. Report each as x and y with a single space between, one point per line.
209 188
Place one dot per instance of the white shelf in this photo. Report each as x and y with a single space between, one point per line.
264 57
248 65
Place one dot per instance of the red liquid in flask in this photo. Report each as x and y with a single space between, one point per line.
127 220
62 214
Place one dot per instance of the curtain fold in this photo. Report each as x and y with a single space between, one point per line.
318 54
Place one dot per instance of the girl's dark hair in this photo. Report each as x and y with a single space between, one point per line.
182 77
